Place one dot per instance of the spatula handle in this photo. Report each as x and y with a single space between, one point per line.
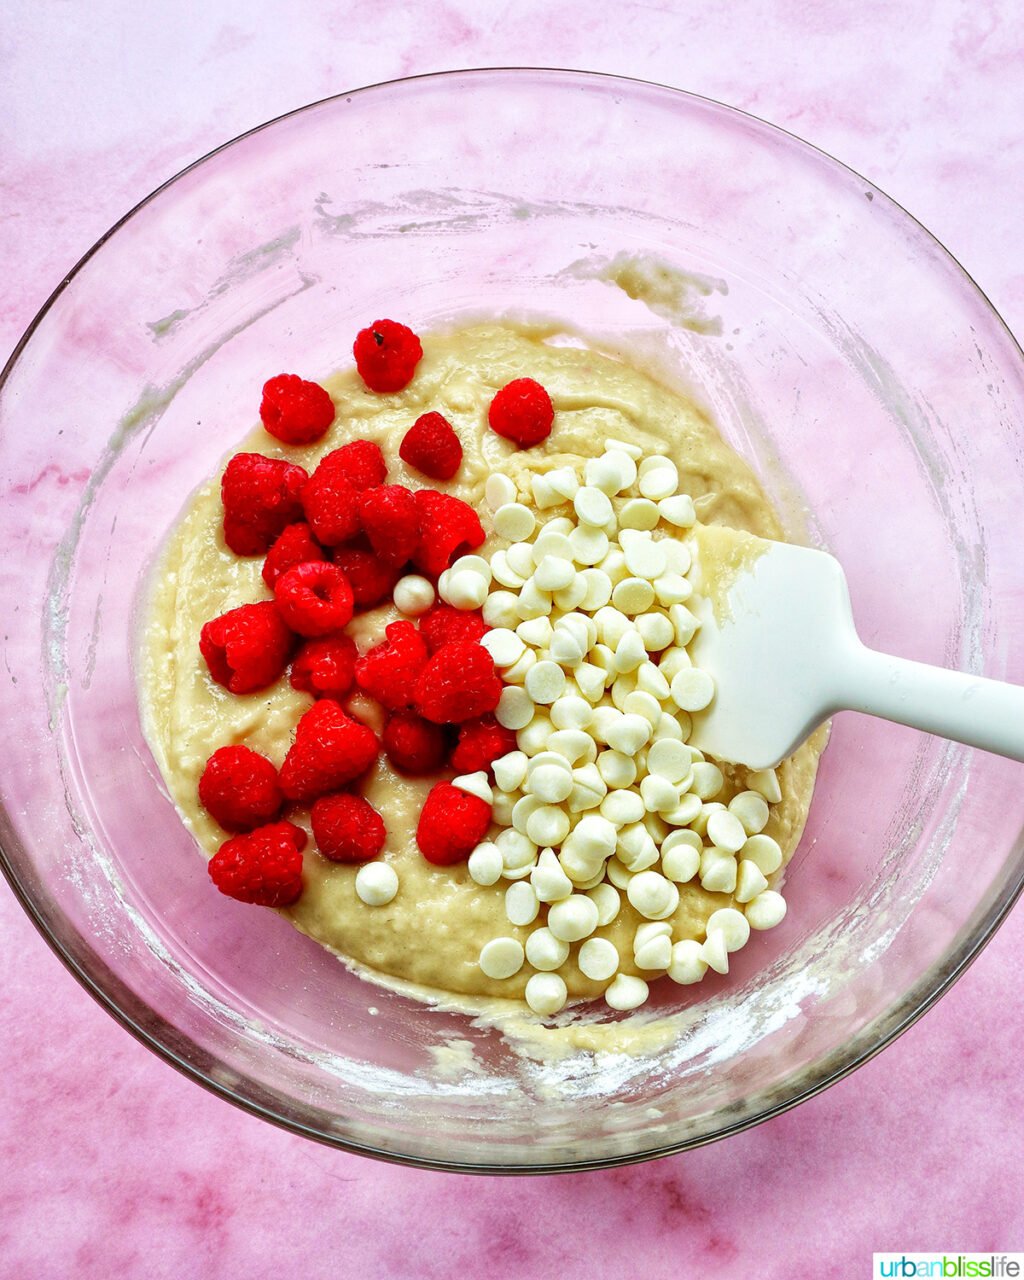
982 713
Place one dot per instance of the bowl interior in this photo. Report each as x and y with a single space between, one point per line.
839 349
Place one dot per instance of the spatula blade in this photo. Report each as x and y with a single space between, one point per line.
775 624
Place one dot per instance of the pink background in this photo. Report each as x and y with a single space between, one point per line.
113 1164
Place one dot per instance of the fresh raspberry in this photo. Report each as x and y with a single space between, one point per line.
239 789
480 743
458 683
431 446
452 823
295 545
370 580
444 624
330 750
387 354
447 526
391 520
389 671
314 598
361 463
326 668
263 866
261 497
329 502
413 744
347 828
295 411
522 412
246 648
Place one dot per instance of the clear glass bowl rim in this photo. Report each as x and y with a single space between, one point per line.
923 995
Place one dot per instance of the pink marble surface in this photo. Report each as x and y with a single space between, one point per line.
113 1164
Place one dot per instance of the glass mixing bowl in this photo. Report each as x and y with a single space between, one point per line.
842 351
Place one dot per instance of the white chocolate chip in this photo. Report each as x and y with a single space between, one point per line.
514 522
475 784
521 903
592 507
546 952
639 513
733 926
552 574
650 679
707 780
500 609
646 558
598 959
764 852
514 709
588 546
680 863
566 650
546 993
653 895
692 689
668 759
413 595
656 631
726 831
659 478
623 446
504 646
536 632
534 738
464 589
501 958
626 992
628 734
486 863
510 770
545 682
688 965
519 558
550 883
622 807
752 810
749 881
499 490
653 953
573 918
376 883
549 824
672 588
619 875
715 953
606 898
659 795
765 781
766 910
718 871
678 510
503 573
572 596
633 595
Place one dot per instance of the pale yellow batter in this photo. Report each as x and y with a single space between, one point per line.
432 933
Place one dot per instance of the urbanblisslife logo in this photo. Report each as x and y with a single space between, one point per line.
949 1266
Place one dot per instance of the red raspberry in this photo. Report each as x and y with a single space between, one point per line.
261 496
347 828
444 624
295 545
370 580
480 743
263 866
522 412
295 411
431 446
389 671
458 683
413 744
239 789
330 750
452 823
329 501
361 463
391 520
326 668
314 598
387 354
447 526
246 648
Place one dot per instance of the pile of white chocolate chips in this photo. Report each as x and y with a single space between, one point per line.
590 627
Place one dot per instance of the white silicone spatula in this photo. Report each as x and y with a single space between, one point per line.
777 635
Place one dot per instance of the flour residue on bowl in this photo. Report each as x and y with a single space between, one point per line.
676 295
